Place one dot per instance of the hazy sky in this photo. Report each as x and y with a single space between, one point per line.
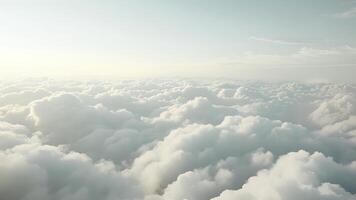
309 39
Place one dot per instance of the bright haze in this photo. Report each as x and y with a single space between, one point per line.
301 40
177 100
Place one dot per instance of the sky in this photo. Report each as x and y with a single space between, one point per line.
310 40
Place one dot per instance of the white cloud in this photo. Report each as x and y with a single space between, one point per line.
338 108
299 175
33 171
302 58
346 14
177 139
275 41
63 117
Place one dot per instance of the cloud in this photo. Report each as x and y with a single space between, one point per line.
338 108
304 56
211 180
22 97
196 146
63 117
12 135
274 41
345 129
200 109
34 171
178 139
346 14
299 175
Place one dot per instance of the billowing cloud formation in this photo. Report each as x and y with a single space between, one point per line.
299 175
177 139
45 172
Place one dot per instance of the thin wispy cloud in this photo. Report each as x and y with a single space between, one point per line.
303 57
351 13
276 41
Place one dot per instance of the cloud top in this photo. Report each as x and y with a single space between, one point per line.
177 139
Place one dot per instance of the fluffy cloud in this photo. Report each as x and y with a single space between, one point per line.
207 182
336 109
12 135
64 118
22 97
34 171
199 110
177 139
299 175
196 146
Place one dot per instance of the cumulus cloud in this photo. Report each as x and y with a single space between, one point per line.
199 110
12 135
339 107
177 139
299 175
64 118
36 171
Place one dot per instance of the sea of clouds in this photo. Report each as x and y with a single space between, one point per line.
177 139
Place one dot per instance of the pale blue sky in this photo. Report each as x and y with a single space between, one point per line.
177 37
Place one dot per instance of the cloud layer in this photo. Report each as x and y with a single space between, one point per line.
177 139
